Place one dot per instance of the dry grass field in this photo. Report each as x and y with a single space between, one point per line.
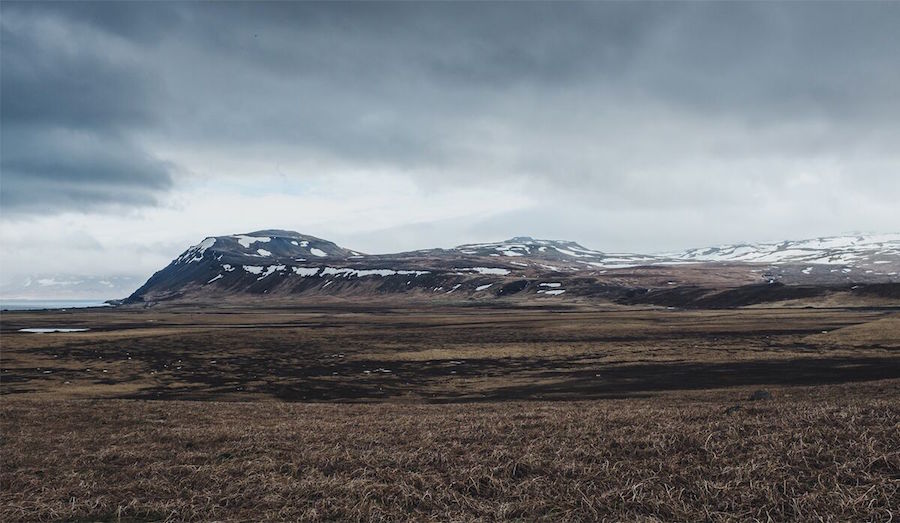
451 414
438 354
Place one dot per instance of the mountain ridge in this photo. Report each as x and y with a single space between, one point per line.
298 266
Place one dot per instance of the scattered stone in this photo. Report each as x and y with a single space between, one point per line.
760 395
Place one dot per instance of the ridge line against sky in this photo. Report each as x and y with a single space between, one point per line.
131 129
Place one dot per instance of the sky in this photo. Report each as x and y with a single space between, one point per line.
129 131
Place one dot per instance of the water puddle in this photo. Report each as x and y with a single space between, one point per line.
44 330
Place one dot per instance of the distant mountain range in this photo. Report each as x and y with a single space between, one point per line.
289 266
69 287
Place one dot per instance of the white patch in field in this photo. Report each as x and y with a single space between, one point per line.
552 284
553 292
294 242
807 270
458 285
45 330
617 265
305 271
483 287
263 252
253 269
318 252
247 241
329 282
304 243
227 267
519 264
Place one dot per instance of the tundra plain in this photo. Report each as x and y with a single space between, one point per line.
451 412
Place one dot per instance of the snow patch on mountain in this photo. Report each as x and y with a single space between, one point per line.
484 270
835 250
247 241
253 269
271 269
195 253
361 273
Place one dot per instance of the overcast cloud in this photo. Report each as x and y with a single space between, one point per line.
132 130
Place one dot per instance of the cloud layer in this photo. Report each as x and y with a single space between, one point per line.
621 125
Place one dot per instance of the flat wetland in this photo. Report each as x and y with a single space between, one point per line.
355 412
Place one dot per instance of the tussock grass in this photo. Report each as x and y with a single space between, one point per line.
818 453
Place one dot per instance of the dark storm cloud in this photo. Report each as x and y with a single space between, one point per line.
70 101
622 102
47 169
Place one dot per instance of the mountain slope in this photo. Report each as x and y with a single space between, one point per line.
293 266
852 251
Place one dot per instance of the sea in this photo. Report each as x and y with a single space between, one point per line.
29 305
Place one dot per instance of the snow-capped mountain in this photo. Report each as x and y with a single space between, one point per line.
293 266
267 244
852 251
70 287
553 251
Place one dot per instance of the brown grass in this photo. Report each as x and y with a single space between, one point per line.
437 354
809 454
826 447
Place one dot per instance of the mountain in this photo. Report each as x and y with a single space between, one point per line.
287 266
69 287
861 251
